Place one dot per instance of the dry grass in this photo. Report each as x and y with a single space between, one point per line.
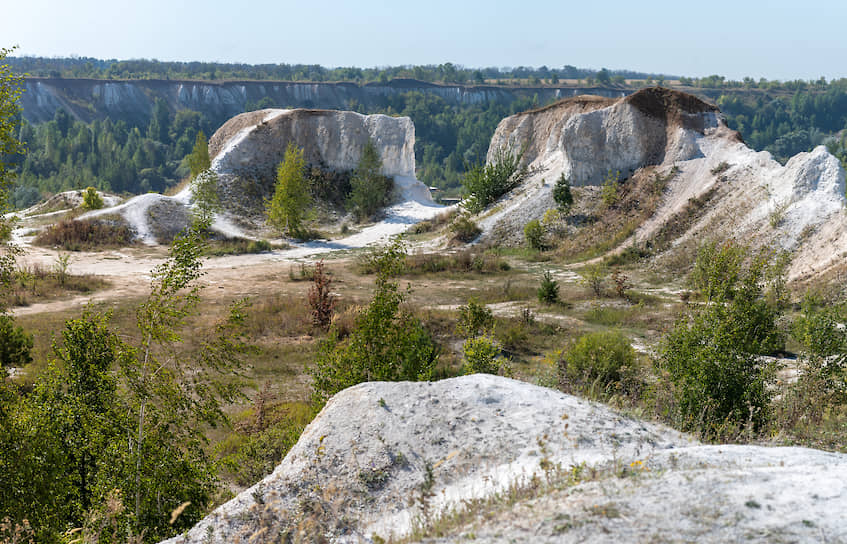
79 235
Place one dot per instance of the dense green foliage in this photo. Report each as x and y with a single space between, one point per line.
713 353
212 71
289 206
91 200
602 361
109 155
533 233
479 355
562 195
15 345
387 343
369 189
485 183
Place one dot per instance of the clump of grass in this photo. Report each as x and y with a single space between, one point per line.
79 235
461 261
238 246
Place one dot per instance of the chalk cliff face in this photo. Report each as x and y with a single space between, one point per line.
753 198
247 149
588 136
132 101
255 142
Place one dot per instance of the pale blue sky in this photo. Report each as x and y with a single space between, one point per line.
777 39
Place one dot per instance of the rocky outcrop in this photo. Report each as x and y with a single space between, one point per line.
254 143
382 456
246 151
588 136
754 199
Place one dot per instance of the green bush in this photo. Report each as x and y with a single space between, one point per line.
387 344
610 191
562 195
369 190
548 292
479 356
15 344
464 230
712 356
484 184
534 234
474 318
91 200
600 362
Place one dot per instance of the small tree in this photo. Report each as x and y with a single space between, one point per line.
292 197
562 195
713 354
479 356
199 160
474 318
594 277
387 344
321 301
484 184
91 200
548 292
534 234
370 190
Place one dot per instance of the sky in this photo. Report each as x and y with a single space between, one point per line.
776 39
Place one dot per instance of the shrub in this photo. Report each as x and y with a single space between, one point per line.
484 184
610 192
15 344
464 230
479 356
534 234
79 235
91 200
369 190
474 318
562 195
593 277
713 355
321 301
387 344
548 292
603 360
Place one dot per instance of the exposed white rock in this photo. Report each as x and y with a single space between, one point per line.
373 442
365 456
799 206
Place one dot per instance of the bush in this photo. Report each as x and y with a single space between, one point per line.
91 200
593 277
484 184
610 192
474 318
548 292
387 344
15 344
534 234
713 355
603 360
369 190
79 235
321 301
479 356
464 230
562 195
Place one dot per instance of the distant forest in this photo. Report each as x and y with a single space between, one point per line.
784 118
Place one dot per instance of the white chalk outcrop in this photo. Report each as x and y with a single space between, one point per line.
246 150
799 206
366 456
